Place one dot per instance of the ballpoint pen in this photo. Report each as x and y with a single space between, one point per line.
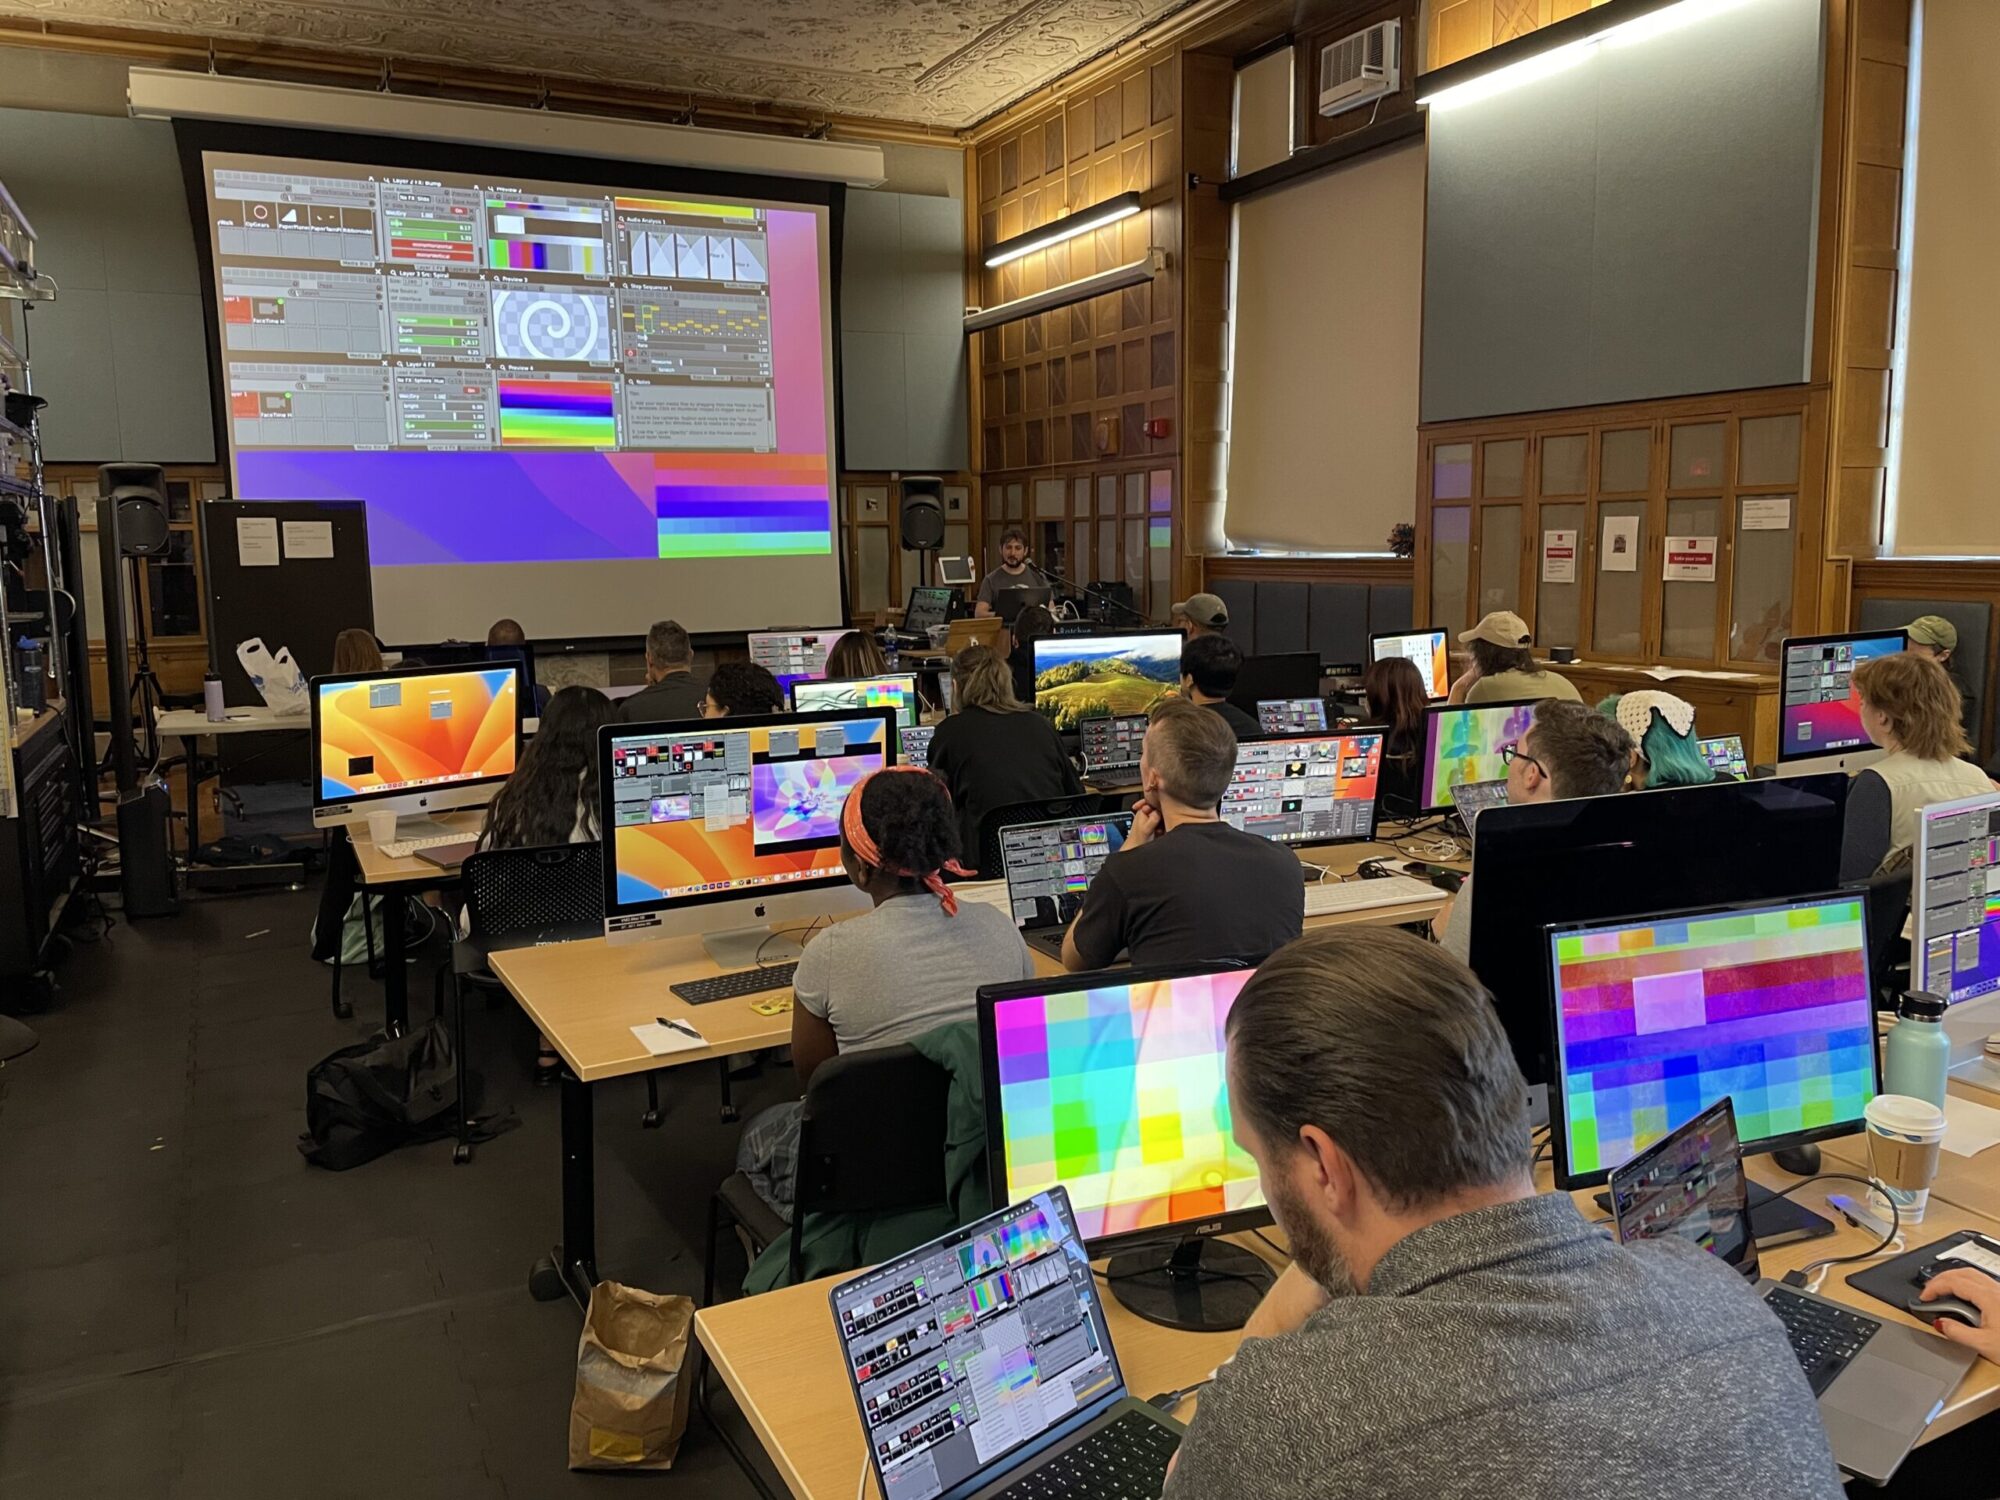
681 1026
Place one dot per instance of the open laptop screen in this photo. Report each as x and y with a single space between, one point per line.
965 1352
1690 1185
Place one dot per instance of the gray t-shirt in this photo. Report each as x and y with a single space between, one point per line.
991 585
906 968
1516 1350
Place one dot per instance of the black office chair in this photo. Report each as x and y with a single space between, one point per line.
1083 805
1885 909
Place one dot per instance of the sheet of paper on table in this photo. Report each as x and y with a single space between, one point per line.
1969 1128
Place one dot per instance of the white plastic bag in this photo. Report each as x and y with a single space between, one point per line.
277 678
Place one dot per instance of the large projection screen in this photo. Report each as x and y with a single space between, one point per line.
577 405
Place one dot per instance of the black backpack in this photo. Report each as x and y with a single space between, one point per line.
369 1098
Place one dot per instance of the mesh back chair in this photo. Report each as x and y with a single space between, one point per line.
1083 805
1885 909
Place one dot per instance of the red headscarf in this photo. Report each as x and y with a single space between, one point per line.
859 840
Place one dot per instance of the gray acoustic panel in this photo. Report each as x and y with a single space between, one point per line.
933 265
160 353
1339 623
70 347
875 413
1638 225
903 350
1390 606
935 400
1240 595
871 256
1972 619
1281 618
148 240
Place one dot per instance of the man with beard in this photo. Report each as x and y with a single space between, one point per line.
1445 1331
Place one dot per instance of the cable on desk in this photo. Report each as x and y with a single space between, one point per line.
777 932
1804 1275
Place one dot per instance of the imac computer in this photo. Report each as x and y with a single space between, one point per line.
1079 677
1291 715
1462 742
1819 712
1724 753
1010 601
731 820
1306 789
897 691
789 655
1955 923
413 740
1656 1017
1112 1085
1426 648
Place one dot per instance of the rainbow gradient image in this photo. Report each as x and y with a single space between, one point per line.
558 414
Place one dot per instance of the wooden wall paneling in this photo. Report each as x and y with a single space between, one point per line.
1975 582
1460 29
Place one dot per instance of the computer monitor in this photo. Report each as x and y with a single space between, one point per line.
1050 865
1112 745
1656 1017
1606 857
412 740
1724 753
1011 600
914 741
1291 715
1113 1086
1955 919
1462 742
928 606
1427 649
1306 789
897 691
959 572
1287 674
1079 677
789 655
742 814
1819 711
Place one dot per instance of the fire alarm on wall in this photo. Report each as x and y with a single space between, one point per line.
1159 427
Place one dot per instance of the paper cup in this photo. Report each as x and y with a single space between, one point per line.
381 827
1904 1138
938 634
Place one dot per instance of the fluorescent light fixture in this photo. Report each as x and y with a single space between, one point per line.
1143 269
1557 48
1110 211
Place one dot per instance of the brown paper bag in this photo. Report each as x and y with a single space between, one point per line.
632 1380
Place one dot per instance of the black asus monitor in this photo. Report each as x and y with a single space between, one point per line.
1290 674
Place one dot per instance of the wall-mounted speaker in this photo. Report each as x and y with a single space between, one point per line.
922 512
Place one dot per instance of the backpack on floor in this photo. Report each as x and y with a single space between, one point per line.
369 1098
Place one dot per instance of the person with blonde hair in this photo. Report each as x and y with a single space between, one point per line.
994 750
856 654
1910 707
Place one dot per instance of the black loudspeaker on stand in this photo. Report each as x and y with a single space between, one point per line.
145 862
920 515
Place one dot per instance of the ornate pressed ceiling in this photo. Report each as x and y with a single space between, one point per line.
940 63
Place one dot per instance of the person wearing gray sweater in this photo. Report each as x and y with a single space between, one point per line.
1445 1332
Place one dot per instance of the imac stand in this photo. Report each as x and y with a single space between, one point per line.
751 947
1201 1285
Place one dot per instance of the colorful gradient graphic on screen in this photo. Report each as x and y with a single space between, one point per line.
773 817
396 734
1821 710
1462 743
558 414
1426 650
1119 1094
898 693
1656 1020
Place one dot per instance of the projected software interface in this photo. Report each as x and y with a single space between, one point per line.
1119 1093
1658 1018
897 692
974 1346
1820 710
1112 744
1462 742
1049 866
401 733
1291 715
1316 789
702 813
1956 898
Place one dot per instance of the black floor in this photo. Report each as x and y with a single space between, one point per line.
189 1310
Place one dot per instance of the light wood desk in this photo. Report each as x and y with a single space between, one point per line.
1968 1182
781 1361
399 877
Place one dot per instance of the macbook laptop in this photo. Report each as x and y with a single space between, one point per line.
1473 798
1878 1383
1050 865
1111 747
1291 715
982 1367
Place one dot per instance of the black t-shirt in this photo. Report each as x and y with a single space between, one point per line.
1203 892
1245 726
991 760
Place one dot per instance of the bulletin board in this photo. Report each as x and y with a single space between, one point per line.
294 572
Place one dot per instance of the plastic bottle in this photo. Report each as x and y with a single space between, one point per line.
211 698
1917 1057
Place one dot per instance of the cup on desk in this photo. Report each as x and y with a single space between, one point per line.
381 827
1904 1138
939 634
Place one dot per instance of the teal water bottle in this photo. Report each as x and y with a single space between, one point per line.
1918 1054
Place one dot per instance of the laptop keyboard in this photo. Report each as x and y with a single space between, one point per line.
1825 1338
1125 1460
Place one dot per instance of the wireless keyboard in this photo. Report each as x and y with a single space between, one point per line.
742 982
404 848
1330 896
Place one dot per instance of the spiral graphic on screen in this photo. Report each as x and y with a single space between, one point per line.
538 323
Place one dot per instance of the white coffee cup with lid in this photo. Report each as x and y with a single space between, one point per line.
1904 1138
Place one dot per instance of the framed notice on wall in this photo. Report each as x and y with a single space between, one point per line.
1559 556
1619 552
1690 559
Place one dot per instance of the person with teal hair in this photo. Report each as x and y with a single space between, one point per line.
1665 749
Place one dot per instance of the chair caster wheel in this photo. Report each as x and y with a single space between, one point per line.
461 1154
650 1120
545 1282
730 1114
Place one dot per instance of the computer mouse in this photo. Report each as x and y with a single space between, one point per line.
1955 1308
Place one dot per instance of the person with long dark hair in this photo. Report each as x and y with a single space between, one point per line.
1394 689
856 654
995 750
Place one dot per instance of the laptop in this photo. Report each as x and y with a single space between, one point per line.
1111 748
982 1367
913 745
1473 798
1878 1383
1291 715
1050 865
1725 753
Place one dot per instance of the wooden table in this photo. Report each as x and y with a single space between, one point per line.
396 878
1969 1182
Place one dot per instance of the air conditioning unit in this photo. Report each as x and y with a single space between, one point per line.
1360 68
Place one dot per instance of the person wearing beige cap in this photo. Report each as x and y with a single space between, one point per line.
1200 614
1503 669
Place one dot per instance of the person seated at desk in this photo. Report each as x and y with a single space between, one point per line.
1199 615
1936 637
739 688
1568 751
1911 709
856 654
1396 698
1209 664
552 797
1504 669
1444 1330
914 963
357 651
994 750
508 632
1187 887
1014 572
1665 750
1030 625
671 691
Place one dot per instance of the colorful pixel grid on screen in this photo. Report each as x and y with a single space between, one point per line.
1119 1094
898 693
1462 743
558 414
1821 711
390 734
1659 1019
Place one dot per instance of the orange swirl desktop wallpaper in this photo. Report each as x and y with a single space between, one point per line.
400 733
